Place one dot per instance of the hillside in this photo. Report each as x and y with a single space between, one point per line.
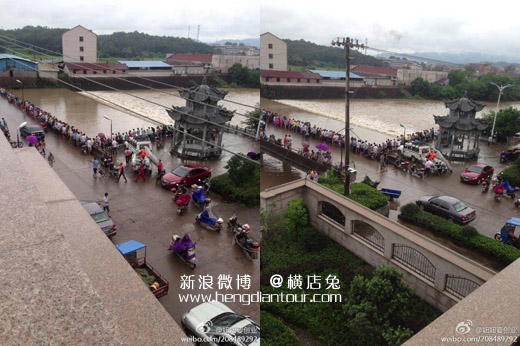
127 45
308 54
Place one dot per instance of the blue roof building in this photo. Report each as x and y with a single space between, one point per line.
336 75
15 66
146 65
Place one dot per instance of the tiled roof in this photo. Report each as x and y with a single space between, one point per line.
335 74
95 67
375 71
195 58
144 64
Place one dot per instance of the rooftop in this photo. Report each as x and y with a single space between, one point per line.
289 74
195 58
144 64
336 74
96 66
375 71
10 56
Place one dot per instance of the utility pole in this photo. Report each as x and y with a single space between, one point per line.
198 31
189 27
347 43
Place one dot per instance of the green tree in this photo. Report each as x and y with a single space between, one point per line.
251 123
457 77
376 307
421 87
295 217
507 123
243 76
240 169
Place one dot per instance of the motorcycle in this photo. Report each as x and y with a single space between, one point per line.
185 249
84 149
250 246
485 185
509 191
499 192
199 199
417 172
210 223
233 224
182 200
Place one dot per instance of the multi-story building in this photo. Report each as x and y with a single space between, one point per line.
406 77
273 53
79 45
290 78
94 70
235 49
222 63
376 76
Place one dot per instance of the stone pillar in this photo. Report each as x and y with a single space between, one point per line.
440 278
452 133
389 249
204 145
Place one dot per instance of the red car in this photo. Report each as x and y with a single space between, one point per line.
476 173
187 174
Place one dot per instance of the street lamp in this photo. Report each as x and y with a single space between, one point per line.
18 133
106 117
404 136
23 98
500 88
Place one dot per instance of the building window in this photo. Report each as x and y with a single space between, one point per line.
270 46
271 66
270 56
114 72
288 80
104 71
81 58
95 72
123 71
317 81
299 80
278 79
267 79
81 39
81 49
308 80
74 71
84 71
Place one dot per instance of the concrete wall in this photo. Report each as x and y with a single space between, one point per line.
92 73
150 73
278 53
406 77
71 45
222 63
445 261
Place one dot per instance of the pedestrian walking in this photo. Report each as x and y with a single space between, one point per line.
159 167
50 158
127 155
121 172
141 173
95 166
106 204
382 162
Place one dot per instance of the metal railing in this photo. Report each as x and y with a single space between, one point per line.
415 260
459 286
369 234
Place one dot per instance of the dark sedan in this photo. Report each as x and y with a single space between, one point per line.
35 130
448 207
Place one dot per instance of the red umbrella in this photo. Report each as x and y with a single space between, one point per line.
101 135
305 144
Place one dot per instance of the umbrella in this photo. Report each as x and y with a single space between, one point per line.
101 135
31 139
322 146
305 144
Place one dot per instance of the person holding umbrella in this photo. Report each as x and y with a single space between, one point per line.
31 139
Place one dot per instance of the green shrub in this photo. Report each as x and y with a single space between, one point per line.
512 173
469 231
409 210
482 244
275 332
367 196
330 177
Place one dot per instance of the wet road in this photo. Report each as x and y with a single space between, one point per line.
145 212
491 215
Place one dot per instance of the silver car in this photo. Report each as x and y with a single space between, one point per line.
102 219
213 324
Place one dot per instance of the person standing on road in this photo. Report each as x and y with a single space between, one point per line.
427 166
105 204
127 155
159 167
50 158
141 173
95 166
114 146
121 172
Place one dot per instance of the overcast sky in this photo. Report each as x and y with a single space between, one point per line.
405 26
218 19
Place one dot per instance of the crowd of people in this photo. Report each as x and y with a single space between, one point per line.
306 131
79 138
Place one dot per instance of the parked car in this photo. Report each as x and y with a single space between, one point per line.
476 173
102 219
185 174
448 207
35 130
216 320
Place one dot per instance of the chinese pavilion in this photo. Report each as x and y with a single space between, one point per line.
460 131
196 132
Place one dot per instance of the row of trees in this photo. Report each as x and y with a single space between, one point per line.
478 88
119 44
240 75
308 54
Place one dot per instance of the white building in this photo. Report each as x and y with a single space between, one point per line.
406 77
273 53
222 63
79 45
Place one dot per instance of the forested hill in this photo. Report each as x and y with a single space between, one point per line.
119 44
308 54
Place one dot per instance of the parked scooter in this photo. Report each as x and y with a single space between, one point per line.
499 192
182 199
210 223
250 246
509 191
84 149
417 172
198 197
185 249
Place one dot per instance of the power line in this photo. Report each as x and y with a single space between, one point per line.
143 99
78 88
6 38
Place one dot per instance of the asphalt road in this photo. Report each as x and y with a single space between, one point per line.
146 212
